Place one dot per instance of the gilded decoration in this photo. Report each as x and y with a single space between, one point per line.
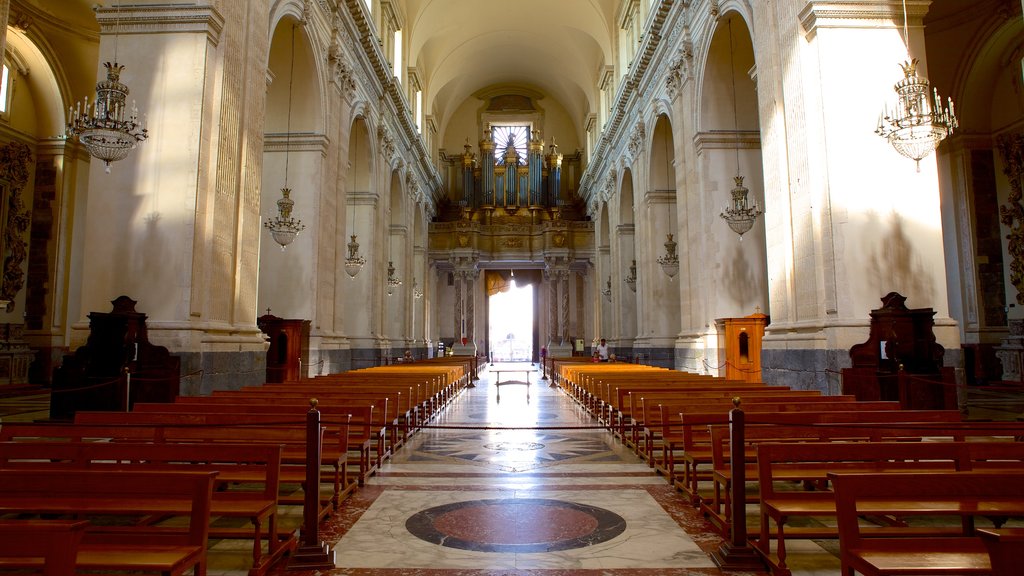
463 240
513 242
1011 214
14 162
558 239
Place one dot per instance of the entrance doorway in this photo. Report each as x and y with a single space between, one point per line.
510 321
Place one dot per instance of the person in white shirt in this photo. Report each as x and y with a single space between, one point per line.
602 351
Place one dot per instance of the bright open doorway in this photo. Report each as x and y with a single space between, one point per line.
511 324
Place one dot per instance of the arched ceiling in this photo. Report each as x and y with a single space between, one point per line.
460 47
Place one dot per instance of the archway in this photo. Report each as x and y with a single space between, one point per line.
729 146
291 160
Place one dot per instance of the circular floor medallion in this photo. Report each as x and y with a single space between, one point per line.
516 525
513 446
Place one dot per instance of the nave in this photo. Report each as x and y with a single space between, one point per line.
528 484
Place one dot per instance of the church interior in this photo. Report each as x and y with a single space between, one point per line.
205 198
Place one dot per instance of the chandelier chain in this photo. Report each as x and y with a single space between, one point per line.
117 25
735 113
288 122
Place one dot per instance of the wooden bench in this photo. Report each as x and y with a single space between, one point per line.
961 494
292 438
47 545
118 494
356 418
662 420
694 438
783 468
248 480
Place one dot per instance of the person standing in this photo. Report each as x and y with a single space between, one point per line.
602 351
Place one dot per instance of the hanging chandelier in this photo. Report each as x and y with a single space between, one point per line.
106 127
670 260
283 227
920 121
630 280
607 290
416 292
739 215
392 281
354 262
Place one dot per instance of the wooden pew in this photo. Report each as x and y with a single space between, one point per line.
248 479
47 545
136 547
293 439
963 494
694 439
358 417
783 468
661 420
717 508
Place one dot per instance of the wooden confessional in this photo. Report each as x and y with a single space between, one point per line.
901 360
116 367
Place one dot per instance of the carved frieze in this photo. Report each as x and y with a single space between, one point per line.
1011 214
387 142
636 139
14 162
342 73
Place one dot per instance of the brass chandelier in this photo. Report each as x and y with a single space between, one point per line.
920 120
283 227
106 127
740 215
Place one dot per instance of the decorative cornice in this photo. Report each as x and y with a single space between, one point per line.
162 19
628 92
297 142
393 97
727 140
849 14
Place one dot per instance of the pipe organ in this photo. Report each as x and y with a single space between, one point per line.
503 177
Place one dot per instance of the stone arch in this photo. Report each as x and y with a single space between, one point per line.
661 292
361 222
623 252
728 147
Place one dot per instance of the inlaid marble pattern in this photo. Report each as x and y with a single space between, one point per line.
520 484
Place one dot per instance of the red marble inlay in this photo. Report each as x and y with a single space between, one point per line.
515 523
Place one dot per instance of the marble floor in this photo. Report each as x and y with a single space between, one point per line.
526 483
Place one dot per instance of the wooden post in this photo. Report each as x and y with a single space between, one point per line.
736 553
312 552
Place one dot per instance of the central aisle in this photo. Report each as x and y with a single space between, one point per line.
526 481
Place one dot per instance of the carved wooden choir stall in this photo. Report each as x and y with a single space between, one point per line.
901 360
116 367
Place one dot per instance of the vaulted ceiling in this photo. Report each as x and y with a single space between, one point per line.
557 48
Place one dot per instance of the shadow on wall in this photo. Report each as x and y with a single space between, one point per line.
156 263
893 265
741 285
